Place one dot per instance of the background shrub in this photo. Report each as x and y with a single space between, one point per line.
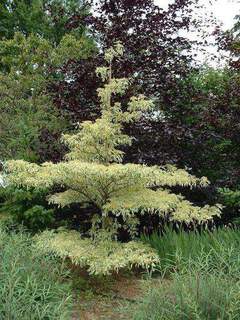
26 207
231 201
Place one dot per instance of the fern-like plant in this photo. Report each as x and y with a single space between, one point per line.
92 174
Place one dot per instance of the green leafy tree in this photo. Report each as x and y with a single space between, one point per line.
27 66
47 18
93 174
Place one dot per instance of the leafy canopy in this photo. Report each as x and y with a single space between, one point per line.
50 19
27 66
92 173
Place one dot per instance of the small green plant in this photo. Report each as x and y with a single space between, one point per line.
31 285
27 207
231 200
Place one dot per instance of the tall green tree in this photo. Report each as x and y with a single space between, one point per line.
93 174
47 18
27 66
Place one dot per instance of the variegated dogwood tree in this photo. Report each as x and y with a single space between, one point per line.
93 173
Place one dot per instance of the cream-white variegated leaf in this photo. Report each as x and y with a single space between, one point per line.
99 182
101 258
161 202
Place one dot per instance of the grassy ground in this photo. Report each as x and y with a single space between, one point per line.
32 286
198 279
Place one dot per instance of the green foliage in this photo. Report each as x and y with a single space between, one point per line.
203 276
20 16
203 290
231 200
26 207
27 66
47 18
31 285
38 217
93 174
230 197
177 247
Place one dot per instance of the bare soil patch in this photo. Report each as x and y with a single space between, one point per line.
107 298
